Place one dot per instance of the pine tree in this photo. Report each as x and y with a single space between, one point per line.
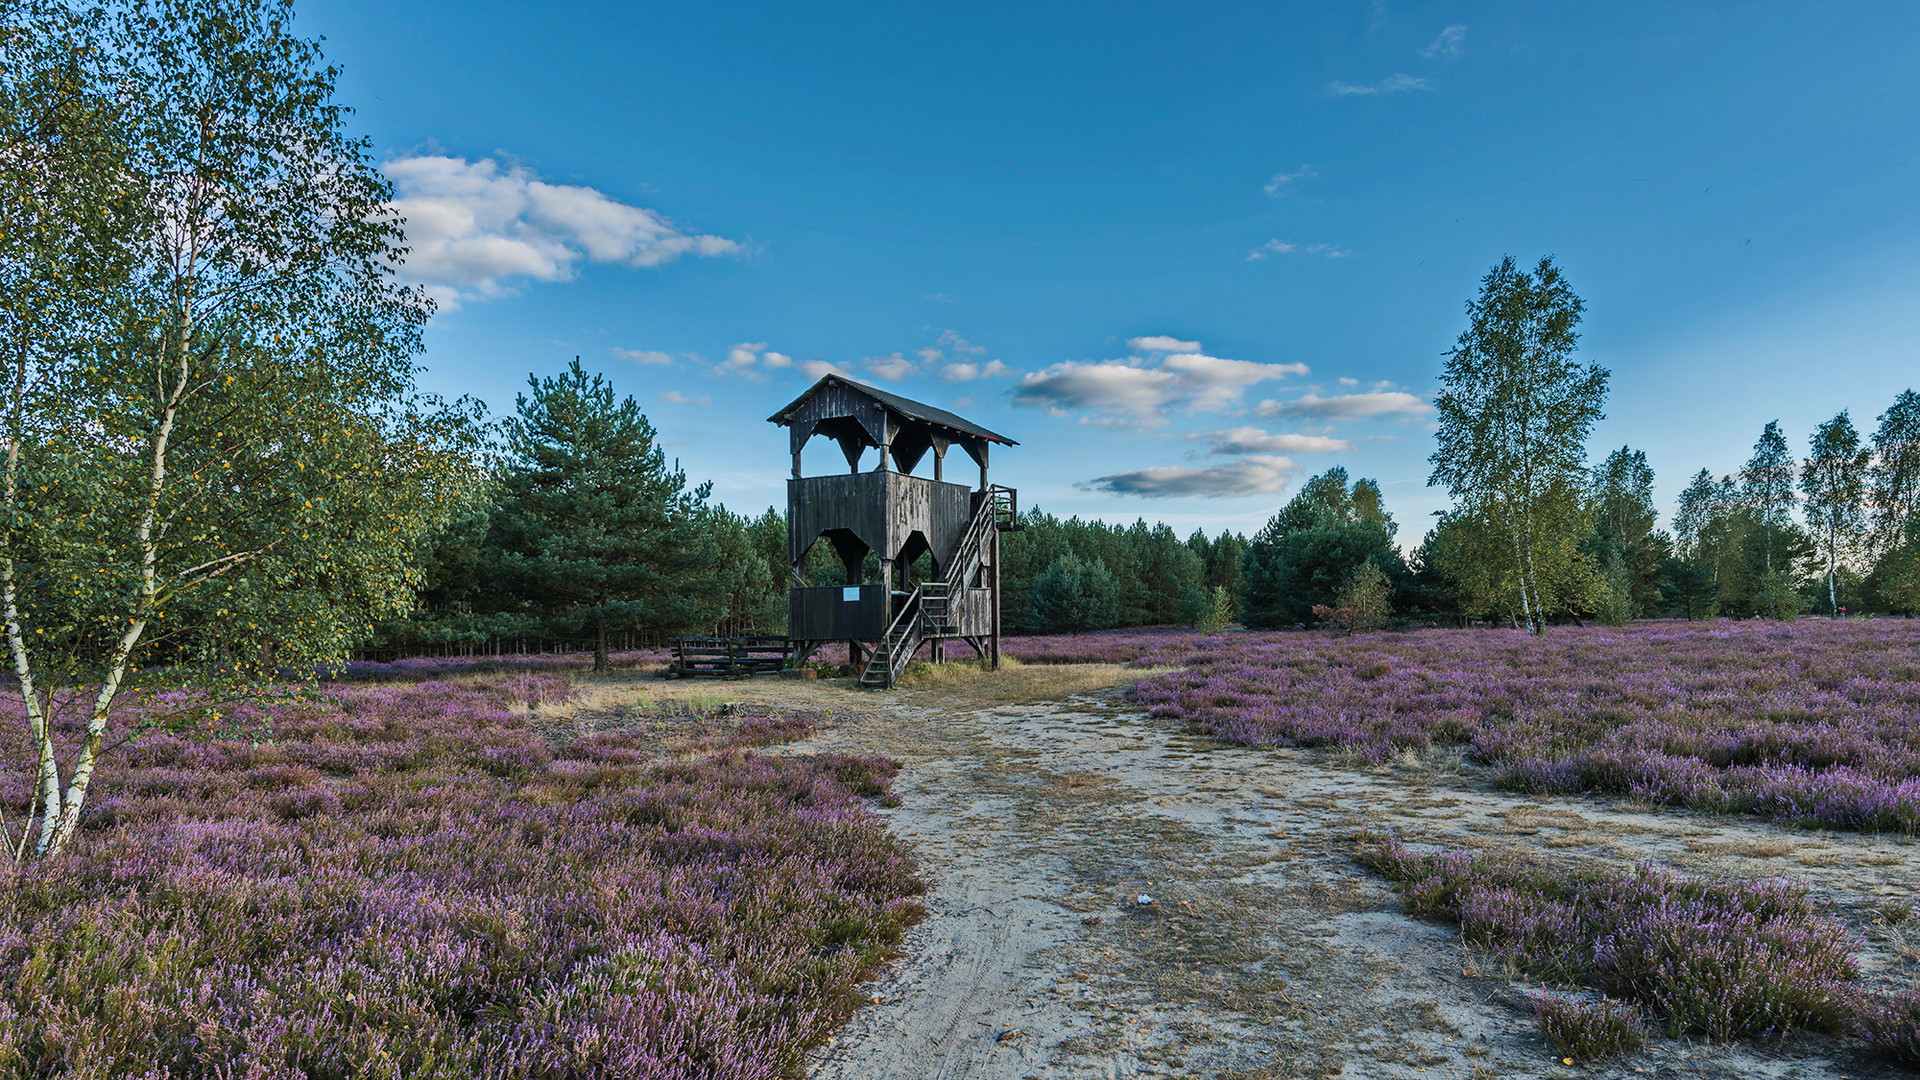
1629 553
596 533
1312 547
1072 595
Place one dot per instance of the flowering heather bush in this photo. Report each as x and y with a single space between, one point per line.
1738 959
1589 1030
1815 722
407 882
1892 1025
1141 646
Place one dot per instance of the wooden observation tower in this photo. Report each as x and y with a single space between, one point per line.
882 612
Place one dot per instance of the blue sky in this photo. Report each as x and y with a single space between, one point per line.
1187 254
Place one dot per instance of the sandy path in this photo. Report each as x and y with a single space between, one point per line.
1267 953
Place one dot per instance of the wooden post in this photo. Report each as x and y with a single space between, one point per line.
995 664
983 465
796 464
939 459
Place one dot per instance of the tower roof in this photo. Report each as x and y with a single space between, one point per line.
905 407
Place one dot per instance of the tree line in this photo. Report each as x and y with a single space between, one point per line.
585 535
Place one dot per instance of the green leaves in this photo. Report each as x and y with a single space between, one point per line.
1515 411
216 468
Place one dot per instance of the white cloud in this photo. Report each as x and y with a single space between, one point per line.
1448 45
1282 182
643 356
1347 406
892 367
1283 247
1247 476
820 369
1393 84
477 228
954 342
744 356
1108 386
750 358
1161 343
967 371
1251 440
1135 391
675 397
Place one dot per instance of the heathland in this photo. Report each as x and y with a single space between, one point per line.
1669 849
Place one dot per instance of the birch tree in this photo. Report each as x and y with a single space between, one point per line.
1834 481
1766 485
1515 411
215 466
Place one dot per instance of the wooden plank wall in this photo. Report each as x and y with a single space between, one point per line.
882 509
825 614
835 400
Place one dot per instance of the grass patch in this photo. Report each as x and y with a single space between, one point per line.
973 683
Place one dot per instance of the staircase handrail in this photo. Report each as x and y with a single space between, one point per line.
968 552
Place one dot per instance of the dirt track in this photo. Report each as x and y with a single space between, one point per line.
1265 953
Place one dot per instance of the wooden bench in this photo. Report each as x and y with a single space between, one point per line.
727 657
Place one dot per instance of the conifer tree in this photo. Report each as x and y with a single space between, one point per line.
596 532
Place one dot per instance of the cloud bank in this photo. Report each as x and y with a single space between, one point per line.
1247 476
1251 440
1392 84
478 228
1347 406
1144 389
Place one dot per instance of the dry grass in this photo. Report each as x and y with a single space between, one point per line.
1769 847
970 683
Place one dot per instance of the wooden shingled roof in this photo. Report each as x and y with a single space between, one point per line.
905 407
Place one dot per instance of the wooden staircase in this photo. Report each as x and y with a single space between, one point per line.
927 611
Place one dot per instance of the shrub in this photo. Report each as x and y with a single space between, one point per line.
1734 959
1363 601
407 881
1810 724
1891 1024
1589 1031
1218 614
